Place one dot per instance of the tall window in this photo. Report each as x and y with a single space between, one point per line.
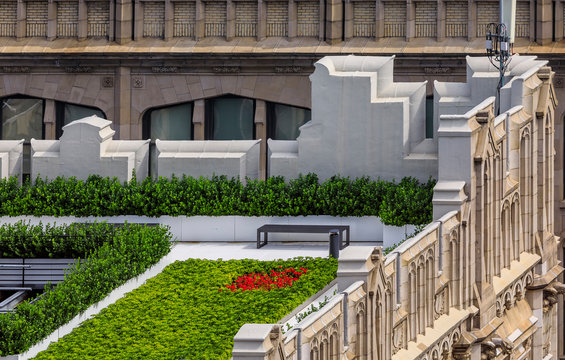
169 123
67 113
285 120
429 117
230 118
22 118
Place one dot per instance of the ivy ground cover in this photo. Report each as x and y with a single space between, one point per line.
192 310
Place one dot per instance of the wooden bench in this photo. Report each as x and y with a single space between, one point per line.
305 229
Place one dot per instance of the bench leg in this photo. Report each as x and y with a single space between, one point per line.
260 243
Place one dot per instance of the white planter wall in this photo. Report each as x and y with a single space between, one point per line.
368 229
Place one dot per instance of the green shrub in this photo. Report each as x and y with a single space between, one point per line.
180 314
23 240
131 250
408 202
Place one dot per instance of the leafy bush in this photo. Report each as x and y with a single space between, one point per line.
408 202
180 314
23 240
131 250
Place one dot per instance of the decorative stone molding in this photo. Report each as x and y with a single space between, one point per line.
137 82
15 69
440 303
78 69
164 69
226 69
399 337
288 69
107 82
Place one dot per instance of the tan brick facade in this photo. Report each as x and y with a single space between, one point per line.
98 14
277 18
523 19
456 19
364 19
245 18
487 12
215 24
36 24
153 19
426 19
184 19
8 16
308 19
395 19
67 18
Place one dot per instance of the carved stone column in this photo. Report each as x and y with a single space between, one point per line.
51 20
261 133
198 120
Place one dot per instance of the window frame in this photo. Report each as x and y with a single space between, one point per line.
209 115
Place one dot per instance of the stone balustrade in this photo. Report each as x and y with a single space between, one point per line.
11 158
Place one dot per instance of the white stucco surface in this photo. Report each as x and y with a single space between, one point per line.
86 147
234 158
11 158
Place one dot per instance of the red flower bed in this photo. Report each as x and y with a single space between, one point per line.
267 281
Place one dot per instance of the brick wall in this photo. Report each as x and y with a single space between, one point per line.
36 18
246 18
308 19
487 12
154 19
98 14
456 18
426 19
215 19
523 19
395 19
67 18
184 19
8 17
277 18
364 19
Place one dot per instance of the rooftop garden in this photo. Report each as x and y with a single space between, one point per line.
194 308
109 256
405 202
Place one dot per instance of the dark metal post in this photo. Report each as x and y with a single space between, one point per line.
334 243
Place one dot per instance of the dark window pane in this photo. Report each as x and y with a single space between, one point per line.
171 123
233 119
22 119
287 121
77 112
429 117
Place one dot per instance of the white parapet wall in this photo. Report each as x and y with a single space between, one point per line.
233 158
363 124
86 147
11 158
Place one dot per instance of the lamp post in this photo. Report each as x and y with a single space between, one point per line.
499 52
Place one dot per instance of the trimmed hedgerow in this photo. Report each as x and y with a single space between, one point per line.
406 202
23 240
181 314
130 251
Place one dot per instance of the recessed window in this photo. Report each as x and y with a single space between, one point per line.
230 118
67 113
169 123
22 118
429 117
284 121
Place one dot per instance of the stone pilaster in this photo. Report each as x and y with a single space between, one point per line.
82 26
544 22
230 20
440 21
261 133
169 20
410 20
261 20
348 20
51 20
21 15
138 21
124 18
379 19
333 24
292 17
49 120
200 20
471 20
198 120
122 98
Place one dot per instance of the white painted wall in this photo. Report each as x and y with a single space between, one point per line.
86 147
367 229
234 158
11 158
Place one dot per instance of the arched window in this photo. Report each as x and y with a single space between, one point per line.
22 118
230 118
67 113
284 121
172 122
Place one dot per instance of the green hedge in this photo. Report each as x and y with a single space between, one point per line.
408 202
180 314
131 250
23 240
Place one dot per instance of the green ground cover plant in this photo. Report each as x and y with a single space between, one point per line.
405 202
127 253
182 314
